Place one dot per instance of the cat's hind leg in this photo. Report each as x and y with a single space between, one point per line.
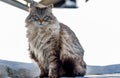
73 68
68 67
80 68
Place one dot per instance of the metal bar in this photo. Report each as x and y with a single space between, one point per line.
29 1
17 4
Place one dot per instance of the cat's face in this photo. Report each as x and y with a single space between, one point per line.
41 16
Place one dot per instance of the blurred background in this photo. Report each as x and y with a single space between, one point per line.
95 23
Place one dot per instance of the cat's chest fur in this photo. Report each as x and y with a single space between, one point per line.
42 40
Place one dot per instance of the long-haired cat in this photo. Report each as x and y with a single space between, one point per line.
53 45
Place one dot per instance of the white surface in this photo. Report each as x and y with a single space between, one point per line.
18 70
95 23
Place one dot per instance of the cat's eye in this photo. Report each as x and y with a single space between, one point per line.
46 18
36 17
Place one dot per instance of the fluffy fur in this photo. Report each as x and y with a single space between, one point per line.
53 45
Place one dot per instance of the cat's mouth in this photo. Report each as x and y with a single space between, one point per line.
41 24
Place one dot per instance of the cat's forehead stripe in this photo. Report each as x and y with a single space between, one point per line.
41 11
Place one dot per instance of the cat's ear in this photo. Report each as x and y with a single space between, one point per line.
31 9
50 6
32 6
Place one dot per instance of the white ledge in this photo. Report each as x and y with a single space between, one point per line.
9 69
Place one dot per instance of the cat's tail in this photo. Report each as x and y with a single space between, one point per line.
68 67
71 69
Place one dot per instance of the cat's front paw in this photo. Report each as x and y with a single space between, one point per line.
42 76
53 76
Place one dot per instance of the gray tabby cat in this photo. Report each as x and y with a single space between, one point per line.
53 45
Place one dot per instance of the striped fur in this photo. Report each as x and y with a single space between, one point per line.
55 48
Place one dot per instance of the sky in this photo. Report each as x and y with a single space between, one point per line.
96 24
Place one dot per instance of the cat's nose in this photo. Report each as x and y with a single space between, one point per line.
41 19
